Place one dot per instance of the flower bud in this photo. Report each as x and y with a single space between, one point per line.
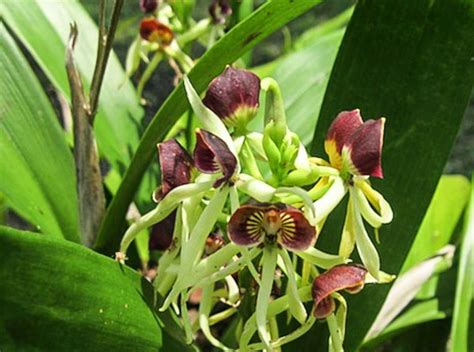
148 6
153 30
234 97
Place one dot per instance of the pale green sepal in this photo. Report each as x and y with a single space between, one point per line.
347 244
366 195
162 210
269 260
326 204
296 306
256 189
366 249
209 120
255 140
205 308
321 259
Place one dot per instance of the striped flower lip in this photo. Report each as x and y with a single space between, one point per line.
349 277
354 145
252 225
153 30
234 96
176 167
212 155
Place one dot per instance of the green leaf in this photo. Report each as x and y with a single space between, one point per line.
407 61
74 299
36 167
445 210
419 313
268 18
43 28
462 324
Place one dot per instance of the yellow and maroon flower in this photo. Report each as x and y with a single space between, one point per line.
234 96
153 30
355 146
148 6
212 155
251 225
348 277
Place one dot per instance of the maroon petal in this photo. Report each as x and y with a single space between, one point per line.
161 235
176 166
245 226
339 133
348 277
365 149
154 31
148 6
220 10
296 232
212 155
234 96
325 308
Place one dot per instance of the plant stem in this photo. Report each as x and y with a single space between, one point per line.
334 331
89 180
103 52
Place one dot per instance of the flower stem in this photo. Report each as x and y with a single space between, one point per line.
269 260
335 334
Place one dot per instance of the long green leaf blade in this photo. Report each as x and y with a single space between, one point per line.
36 167
462 324
73 299
43 27
407 61
269 17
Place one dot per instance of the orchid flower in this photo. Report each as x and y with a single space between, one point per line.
355 149
272 215
350 278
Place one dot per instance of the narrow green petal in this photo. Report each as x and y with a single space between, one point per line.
366 249
326 204
296 306
269 260
259 190
321 259
210 121
347 244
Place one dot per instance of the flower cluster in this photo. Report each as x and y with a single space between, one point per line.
270 199
165 34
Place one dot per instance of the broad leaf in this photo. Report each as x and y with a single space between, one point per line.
56 295
36 167
409 62
43 27
264 21
445 211
462 323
